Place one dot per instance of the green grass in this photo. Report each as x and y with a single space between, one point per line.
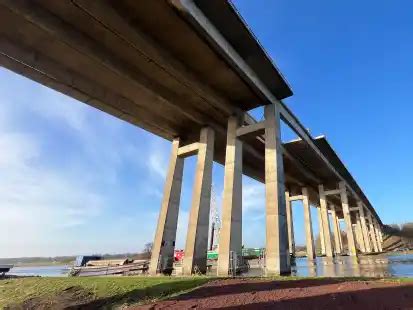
108 290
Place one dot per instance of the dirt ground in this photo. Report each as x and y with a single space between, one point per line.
300 294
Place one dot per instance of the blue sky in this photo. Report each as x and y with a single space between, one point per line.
76 180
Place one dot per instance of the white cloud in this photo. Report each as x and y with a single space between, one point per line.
63 165
35 201
61 109
253 196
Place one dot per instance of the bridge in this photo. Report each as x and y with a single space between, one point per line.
189 71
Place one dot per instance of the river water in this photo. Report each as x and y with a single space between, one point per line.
42 271
344 266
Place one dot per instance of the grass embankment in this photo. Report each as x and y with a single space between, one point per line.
91 291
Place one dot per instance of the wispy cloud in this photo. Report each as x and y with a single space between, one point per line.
34 199
158 160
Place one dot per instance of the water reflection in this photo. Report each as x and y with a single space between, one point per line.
347 266
343 266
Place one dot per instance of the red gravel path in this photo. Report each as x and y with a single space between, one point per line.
299 294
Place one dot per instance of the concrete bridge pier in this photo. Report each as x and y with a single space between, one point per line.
195 257
277 221
290 224
347 219
340 238
336 230
304 197
379 242
197 237
321 232
325 222
277 254
164 242
373 233
308 225
364 228
380 233
230 239
359 234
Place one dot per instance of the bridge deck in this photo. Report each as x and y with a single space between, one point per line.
146 63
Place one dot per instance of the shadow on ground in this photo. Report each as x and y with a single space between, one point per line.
376 298
301 294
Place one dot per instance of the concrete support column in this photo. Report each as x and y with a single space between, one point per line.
197 237
290 224
321 232
373 233
308 225
325 221
347 218
356 237
377 231
380 234
164 242
364 228
277 256
359 234
336 229
230 239
340 239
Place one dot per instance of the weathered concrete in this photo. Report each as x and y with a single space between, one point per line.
197 237
290 224
277 256
308 225
364 228
230 238
325 221
347 218
321 232
336 230
164 242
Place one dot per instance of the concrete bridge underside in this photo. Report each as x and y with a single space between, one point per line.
184 70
